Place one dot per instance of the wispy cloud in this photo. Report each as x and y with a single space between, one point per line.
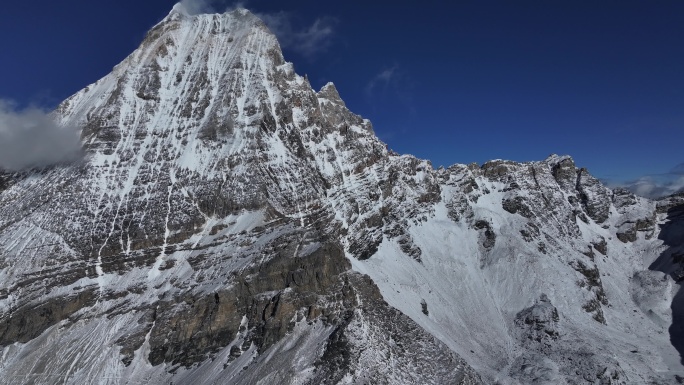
382 79
307 41
658 185
394 86
195 7
30 138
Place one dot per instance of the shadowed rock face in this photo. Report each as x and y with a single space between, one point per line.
594 196
29 321
272 297
231 225
671 262
538 322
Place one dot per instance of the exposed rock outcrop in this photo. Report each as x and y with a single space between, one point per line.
231 225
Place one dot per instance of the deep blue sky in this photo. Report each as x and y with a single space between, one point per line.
453 82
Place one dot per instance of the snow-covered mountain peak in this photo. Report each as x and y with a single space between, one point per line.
178 11
190 72
184 10
232 225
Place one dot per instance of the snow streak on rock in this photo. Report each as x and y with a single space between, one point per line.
232 225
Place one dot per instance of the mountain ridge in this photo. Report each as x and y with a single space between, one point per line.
228 216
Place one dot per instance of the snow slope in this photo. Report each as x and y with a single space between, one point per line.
231 225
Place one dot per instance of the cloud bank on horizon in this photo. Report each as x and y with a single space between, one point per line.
30 138
659 185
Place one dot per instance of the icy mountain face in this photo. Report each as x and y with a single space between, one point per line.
530 272
197 242
231 225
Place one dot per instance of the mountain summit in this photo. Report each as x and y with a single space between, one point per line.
231 225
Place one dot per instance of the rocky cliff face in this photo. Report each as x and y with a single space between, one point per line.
229 224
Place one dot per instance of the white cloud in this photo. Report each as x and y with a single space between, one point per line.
657 186
384 78
307 41
195 7
314 38
30 138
